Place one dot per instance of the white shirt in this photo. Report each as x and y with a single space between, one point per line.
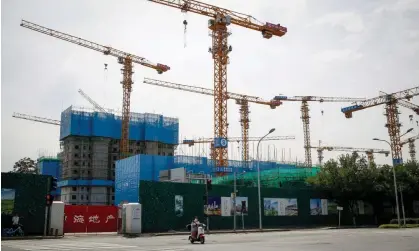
15 220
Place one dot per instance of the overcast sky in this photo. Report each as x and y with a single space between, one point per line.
332 48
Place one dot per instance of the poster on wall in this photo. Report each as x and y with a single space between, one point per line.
213 207
239 203
226 204
280 207
318 207
7 200
270 206
179 205
288 207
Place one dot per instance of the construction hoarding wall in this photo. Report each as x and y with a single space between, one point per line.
282 208
25 195
142 126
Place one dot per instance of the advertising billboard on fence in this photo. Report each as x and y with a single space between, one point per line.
239 203
7 200
226 206
271 206
214 206
179 205
280 207
318 207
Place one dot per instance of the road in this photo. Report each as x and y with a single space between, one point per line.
312 240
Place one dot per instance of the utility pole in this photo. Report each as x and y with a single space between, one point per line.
234 199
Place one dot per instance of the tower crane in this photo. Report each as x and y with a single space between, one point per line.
241 99
412 150
220 18
54 121
392 115
36 119
305 116
369 151
236 139
91 101
124 58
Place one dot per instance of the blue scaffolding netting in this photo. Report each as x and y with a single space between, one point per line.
142 127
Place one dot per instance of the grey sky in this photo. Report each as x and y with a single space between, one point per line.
333 48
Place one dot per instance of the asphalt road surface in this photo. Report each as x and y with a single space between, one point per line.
312 240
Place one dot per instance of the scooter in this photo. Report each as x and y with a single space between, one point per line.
200 236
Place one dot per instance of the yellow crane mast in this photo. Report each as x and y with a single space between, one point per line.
393 124
220 18
411 143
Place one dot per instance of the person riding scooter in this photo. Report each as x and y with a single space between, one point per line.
197 231
194 227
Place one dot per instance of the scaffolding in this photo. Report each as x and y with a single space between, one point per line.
278 177
78 121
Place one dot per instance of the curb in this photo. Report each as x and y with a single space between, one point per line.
30 238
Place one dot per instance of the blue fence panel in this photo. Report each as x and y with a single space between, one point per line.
147 167
161 163
49 166
127 179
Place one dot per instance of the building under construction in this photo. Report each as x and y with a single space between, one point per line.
90 146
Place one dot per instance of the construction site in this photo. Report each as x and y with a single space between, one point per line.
93 139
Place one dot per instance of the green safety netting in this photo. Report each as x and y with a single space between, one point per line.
269 178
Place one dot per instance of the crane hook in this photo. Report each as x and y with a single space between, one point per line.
185 23
106 66
322 112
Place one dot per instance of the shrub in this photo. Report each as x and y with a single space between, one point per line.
408 221
397 226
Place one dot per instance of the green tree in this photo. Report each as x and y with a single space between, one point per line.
25 165
348 180
407 176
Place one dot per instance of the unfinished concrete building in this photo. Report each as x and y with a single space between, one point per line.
90 147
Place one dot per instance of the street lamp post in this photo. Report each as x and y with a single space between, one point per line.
394 180
394 173
258 160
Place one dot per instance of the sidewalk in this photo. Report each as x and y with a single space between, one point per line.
30 237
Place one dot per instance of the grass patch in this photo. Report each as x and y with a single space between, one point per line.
397 226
